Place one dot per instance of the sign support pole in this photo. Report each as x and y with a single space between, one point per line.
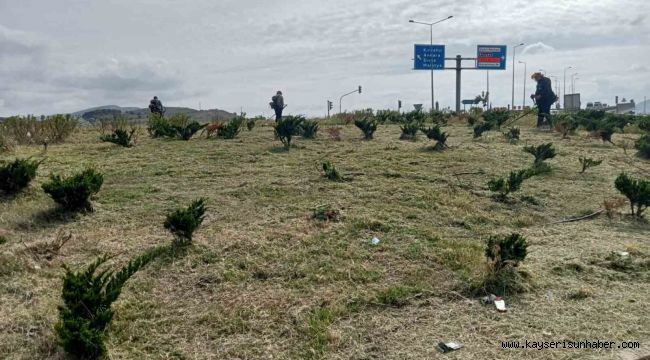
458 72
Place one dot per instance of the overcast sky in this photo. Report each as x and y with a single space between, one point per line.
66 55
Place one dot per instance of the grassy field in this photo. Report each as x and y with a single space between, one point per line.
265 281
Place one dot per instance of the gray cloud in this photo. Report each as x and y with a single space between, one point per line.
234 53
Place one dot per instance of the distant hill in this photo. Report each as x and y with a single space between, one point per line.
202 116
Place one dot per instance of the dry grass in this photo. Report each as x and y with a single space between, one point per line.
264 280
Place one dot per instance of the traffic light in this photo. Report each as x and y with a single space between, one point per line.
329 105
359 89
399 104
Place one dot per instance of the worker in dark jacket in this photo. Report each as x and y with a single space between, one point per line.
544 97
156 106
277 104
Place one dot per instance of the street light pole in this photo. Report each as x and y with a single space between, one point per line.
564 86
433 105
572 85
514 51
525 76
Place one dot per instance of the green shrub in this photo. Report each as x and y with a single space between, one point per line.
44 130
565 124
57 128
410 130
434 133
87 304
287 128
330 171
472 120
232 128
541 153
587 163
388 116
644 123
159 127
506 250
415 116
309 129
504 186
121 137
3 240
481 128
184 222
326 213
438 117
605 132
643 146
538 169
186 132
512 135
497 117
636 191
368 126
250 124
17 175
73 193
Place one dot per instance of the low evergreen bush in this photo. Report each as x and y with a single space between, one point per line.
506 250
541 153
636 191
87 311
326 213
330 171
159 127
497 117
410 129
73 193
587 163
121 137
368 126
438 117
17 175
287 128
434 133
232 128
186 132
182 223
250 123
479 129
565 124
309 129
505 186
512 135
643 146
388 116
504 254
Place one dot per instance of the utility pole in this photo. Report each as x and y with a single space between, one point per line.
523 105
645 102
564 86
514 51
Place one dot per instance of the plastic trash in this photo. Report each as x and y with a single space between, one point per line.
375 241
623 253
449 347
500 304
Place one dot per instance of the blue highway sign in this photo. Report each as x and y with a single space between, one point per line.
429 57
491 57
